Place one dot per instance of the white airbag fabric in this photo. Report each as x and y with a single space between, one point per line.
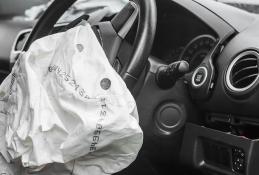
64 103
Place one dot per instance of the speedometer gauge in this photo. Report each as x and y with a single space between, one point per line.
197 49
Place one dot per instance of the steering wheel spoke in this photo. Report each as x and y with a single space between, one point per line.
108 38
125 19
111 34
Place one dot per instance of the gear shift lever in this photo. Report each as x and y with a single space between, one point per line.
167 76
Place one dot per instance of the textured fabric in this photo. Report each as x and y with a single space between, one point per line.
65 104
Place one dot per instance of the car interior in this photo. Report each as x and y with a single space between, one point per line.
193 68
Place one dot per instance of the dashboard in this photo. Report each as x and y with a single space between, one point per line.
183 36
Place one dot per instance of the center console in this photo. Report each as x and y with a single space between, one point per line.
219 152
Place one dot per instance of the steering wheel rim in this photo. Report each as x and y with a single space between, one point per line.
147 20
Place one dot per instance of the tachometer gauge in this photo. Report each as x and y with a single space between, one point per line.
197 49
173 55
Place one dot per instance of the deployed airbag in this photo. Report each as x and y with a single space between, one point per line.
64 103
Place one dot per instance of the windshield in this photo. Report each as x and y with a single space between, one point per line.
248 5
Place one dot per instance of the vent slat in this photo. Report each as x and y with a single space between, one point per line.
247 59
244 63
245 81
243 71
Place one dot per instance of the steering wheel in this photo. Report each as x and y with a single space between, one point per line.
112 34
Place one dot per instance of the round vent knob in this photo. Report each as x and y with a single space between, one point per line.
243 72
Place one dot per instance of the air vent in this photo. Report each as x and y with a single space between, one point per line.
243 72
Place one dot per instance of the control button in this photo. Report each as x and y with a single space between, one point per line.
199 76
238 158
